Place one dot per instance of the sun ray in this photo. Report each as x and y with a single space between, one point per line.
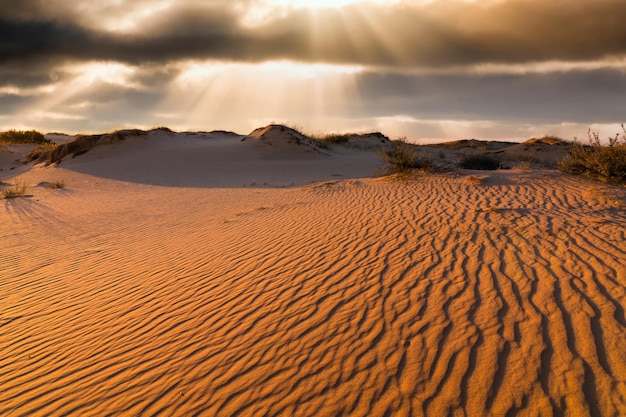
218 93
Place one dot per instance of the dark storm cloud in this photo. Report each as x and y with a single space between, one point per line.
432 35
10 103
580 96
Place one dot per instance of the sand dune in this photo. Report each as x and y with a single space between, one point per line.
444 295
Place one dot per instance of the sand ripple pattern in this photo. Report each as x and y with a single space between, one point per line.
434 297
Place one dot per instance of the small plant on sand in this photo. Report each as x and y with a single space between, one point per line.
401 157
336 138
323 140
16 190
57 184
522 165
164 129
23 137
479 161
606 163
40 151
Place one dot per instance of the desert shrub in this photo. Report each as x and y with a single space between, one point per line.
336 139
522 165
401 157
479 161
164 129
58 184
606 163
16 190
23 137
41 152
323 140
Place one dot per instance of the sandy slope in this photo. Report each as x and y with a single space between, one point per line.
361 297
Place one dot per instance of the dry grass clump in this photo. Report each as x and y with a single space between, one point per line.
23 137
18 189
163 129
323 140
41 152
548 140
401 157
606 163
479 161
335 138
57 184
80 145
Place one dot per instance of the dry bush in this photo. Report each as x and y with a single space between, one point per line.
23 137
402 157
606 163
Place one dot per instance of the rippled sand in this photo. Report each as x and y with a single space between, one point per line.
431 297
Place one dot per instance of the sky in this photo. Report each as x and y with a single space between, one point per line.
422 69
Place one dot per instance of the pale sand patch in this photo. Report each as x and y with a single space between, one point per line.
132 293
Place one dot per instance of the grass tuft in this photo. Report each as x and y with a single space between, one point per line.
16 190
58 184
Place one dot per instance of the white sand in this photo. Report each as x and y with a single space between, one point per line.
159 283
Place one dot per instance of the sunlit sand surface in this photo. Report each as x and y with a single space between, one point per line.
442 295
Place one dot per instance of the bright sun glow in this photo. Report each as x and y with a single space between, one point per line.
109 72
321 4
270 91
279 70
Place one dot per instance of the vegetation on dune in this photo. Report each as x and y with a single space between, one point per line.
18 189
402 157
548 140
323 140
58 184
479 161
38 153
23 137
164 129
53 154
606 163
335 138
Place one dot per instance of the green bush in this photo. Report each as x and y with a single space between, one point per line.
606 163
479 161
23 137
401 157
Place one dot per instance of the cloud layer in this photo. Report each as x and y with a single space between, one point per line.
406 34
419 58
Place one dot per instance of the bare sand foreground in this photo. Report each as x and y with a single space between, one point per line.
150 286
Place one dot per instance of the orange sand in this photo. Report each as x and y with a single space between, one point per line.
364 297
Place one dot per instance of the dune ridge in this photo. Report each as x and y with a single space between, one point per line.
434 296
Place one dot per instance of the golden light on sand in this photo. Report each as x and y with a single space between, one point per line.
270 277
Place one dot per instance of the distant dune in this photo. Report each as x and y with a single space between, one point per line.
210 273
